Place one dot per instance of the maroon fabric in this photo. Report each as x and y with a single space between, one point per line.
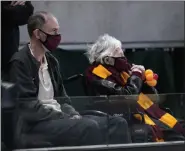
52 42
157 133
155 111
121 65
179 128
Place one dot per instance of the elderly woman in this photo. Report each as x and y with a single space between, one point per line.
104 76
111 74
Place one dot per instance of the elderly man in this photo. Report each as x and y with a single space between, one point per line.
36 73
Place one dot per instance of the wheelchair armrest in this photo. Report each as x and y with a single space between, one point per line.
93 112
73 78
8 95
167 110
171 135
175 138
181 121
141 114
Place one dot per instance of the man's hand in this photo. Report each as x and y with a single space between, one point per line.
14 3
76 117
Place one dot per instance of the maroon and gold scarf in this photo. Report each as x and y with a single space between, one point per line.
145 104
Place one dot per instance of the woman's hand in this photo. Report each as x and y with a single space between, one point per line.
138 68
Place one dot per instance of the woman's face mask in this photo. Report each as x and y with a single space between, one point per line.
52 41
122 64
119 63
118 60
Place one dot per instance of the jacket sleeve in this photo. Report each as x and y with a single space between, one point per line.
66 107
16 15
65 104
30 108
106 87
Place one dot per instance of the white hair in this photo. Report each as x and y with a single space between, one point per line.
104 46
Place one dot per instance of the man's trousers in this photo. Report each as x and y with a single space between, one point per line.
89 130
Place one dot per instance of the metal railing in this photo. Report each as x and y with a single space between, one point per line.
163 146
126 45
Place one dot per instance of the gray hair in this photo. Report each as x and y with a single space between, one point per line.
37 20
104 46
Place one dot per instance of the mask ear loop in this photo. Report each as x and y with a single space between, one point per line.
49 34
45 32
109 60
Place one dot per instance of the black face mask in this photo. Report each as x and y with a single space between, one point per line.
52 41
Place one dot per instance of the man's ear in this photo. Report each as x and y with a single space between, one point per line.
37 34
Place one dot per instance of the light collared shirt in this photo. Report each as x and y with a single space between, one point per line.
46 92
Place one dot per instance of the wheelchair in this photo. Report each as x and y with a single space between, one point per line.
169 134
